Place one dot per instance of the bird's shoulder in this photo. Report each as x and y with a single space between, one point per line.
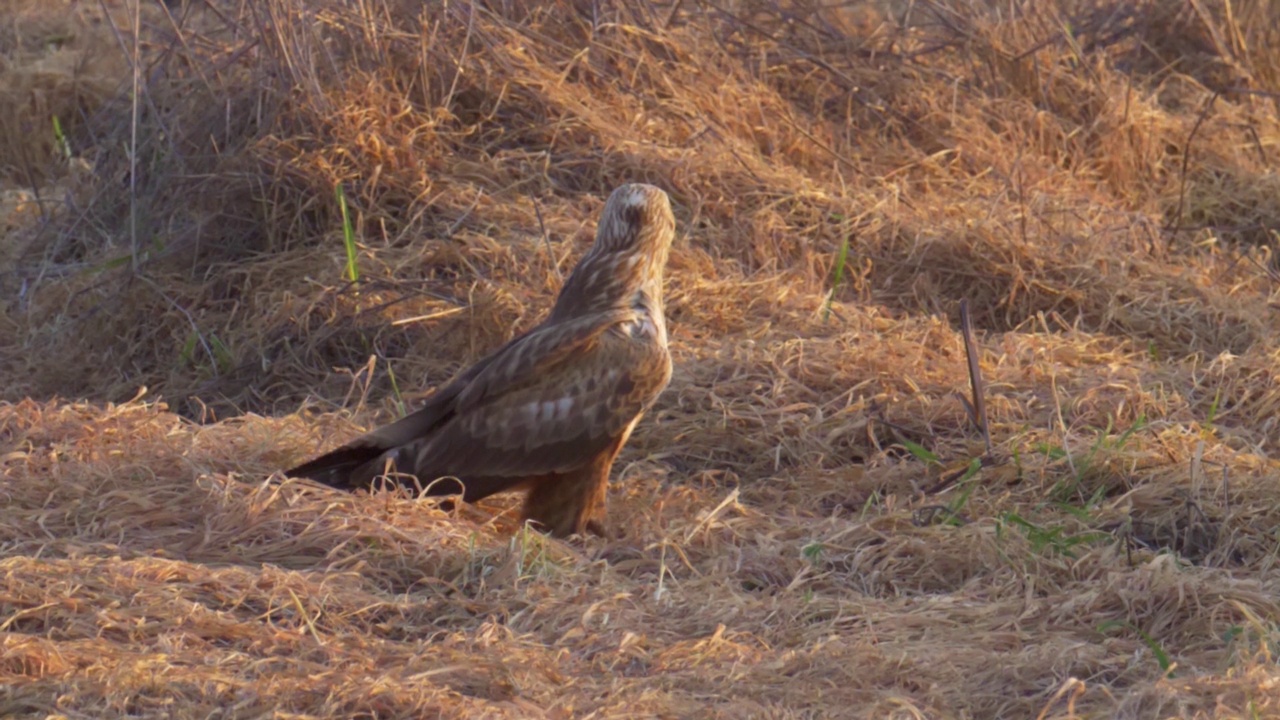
543 352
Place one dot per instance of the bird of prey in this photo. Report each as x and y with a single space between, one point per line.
548 412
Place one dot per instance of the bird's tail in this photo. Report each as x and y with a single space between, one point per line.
355 465
365 467
347 468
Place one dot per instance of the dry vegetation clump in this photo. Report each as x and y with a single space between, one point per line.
809 523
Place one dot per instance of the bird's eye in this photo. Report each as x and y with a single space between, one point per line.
634 215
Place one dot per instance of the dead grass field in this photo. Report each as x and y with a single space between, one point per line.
808 525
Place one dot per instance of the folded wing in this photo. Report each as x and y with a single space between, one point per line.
545 403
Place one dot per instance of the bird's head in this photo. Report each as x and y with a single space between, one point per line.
633 238
636 218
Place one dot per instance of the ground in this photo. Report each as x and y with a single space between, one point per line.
235 234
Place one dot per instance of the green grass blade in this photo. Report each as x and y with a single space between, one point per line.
395 390
348 236
922 453
60 138
837 277
1162 657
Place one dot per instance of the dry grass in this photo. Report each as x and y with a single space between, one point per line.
796 532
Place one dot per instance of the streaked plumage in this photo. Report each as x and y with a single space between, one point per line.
549 411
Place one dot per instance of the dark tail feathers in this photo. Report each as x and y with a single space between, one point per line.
357 468
340 468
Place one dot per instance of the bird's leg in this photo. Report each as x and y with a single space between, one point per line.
564 504
596 527
573 502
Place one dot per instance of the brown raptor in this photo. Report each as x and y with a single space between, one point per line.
548 412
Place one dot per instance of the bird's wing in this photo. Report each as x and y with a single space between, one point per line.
547 407
521 363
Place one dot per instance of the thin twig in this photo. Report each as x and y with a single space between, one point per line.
213 359
135 60
1186 159
133 133
975 373
462 58
547 239
671 15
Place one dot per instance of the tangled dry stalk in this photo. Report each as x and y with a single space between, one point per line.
808 524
